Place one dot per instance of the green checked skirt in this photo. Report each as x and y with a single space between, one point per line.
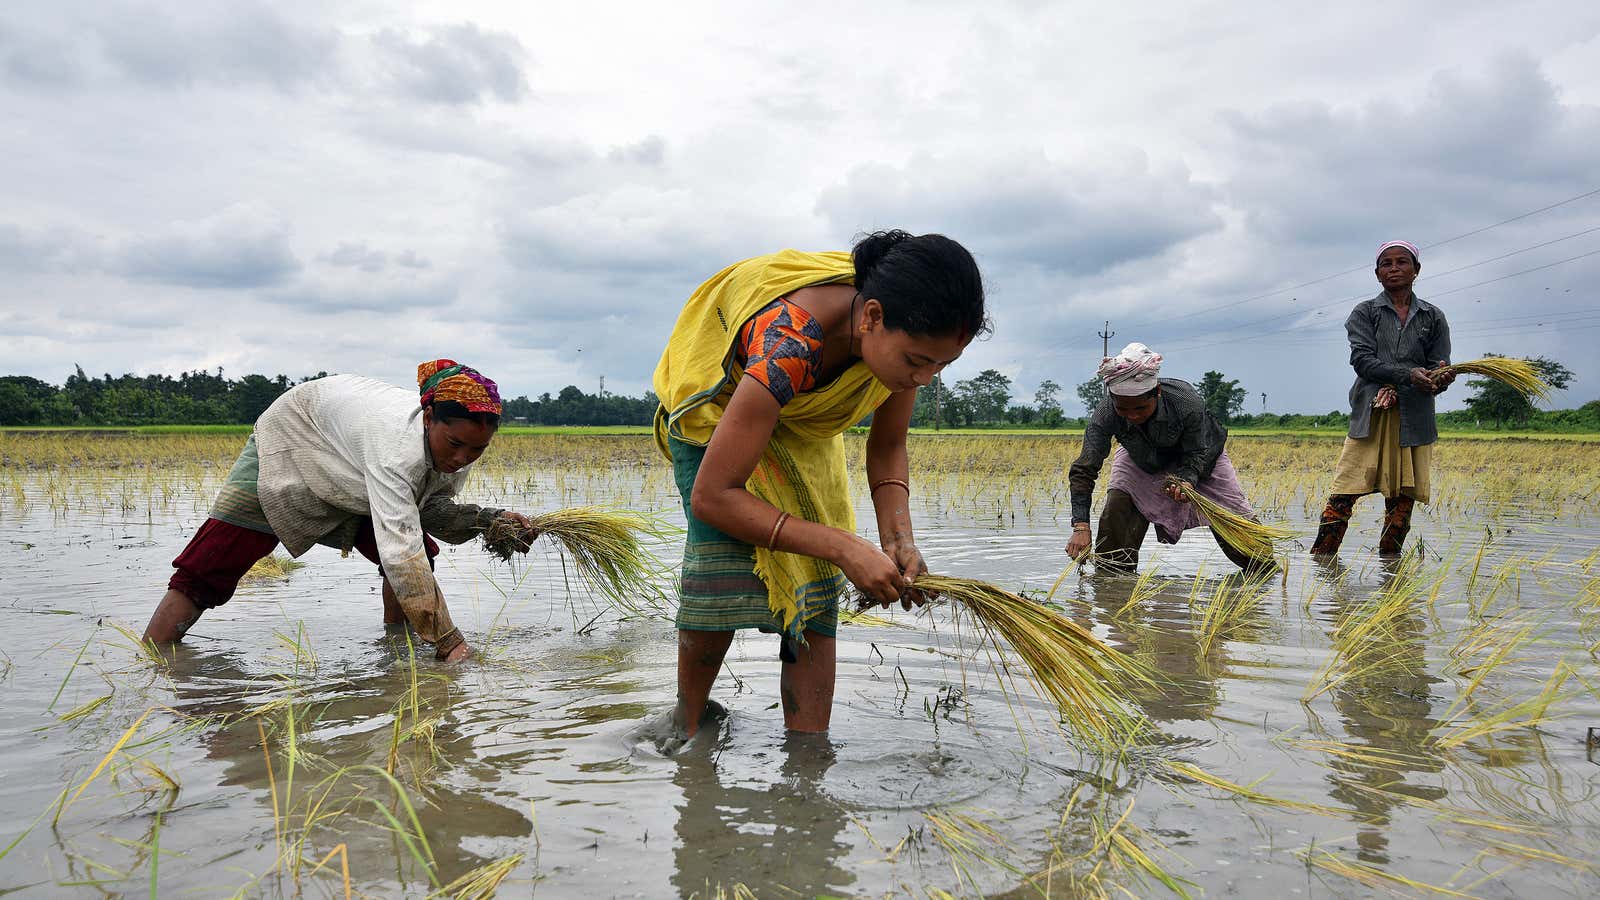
719 590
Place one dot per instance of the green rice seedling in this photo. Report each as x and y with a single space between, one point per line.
1371 876
1376 638
864 618
603 545
272 568
1256 540
1248 792
87 709
967 840
1509 716
1088 682
480 883
1230 610
1519 374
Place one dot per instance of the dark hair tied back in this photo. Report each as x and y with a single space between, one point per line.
928 284
447 410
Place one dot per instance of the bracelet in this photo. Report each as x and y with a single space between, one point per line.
883 481
772 539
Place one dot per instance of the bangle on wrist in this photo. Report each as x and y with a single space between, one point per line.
883 481
777 527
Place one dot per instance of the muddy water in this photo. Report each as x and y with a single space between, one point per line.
542 748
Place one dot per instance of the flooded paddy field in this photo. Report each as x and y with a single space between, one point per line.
1414 727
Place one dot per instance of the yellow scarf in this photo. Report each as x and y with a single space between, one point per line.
802 471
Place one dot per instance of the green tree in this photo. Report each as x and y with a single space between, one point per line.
1091 393
986 396
1223 396
1044 399
1501 404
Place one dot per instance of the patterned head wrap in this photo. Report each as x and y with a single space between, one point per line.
1406 245
1132 372
446 379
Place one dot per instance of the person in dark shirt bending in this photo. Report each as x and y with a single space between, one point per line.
1167 436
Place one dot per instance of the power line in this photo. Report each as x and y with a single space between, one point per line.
1325 278
1354 298
1465 287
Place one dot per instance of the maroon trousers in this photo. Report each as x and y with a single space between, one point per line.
220 554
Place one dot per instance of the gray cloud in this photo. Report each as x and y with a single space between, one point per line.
357 256
37 59
228 44
1027 209
1462 148
232 250
456 64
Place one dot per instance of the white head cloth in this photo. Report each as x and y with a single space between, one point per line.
1131 372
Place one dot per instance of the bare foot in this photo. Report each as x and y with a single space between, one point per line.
461 652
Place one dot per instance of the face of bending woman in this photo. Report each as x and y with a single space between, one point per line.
1137 410
902 360
456 443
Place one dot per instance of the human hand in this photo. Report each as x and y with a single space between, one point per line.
873 572
1175 489
1385 399
1421 380
1443 376
906 555
1078 544
526 532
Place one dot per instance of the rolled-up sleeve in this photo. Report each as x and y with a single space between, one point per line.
1086 468
452 522
397 528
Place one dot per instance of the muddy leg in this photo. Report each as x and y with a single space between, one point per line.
700 656
173 618
1335 521
807 685
1396 524
392 613
1122 530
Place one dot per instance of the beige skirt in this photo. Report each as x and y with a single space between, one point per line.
1378 464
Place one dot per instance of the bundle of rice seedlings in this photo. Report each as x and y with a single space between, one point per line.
1517 373
603 545
1252 538
1087 681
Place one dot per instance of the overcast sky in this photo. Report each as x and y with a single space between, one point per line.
535 188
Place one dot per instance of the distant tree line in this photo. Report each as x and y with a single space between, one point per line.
985 400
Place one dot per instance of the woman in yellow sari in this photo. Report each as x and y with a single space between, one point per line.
770 362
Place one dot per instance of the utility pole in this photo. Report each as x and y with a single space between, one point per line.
1105 339
1263 402
602 387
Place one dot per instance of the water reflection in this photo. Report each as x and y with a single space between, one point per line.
755 830
1385 704
391 716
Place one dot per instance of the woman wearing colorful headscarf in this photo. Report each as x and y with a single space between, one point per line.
1395 340
349 462
769 363
1167 436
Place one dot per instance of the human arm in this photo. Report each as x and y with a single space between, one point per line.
1438 349
720 499
397 531
1083 472
888 473
457 523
